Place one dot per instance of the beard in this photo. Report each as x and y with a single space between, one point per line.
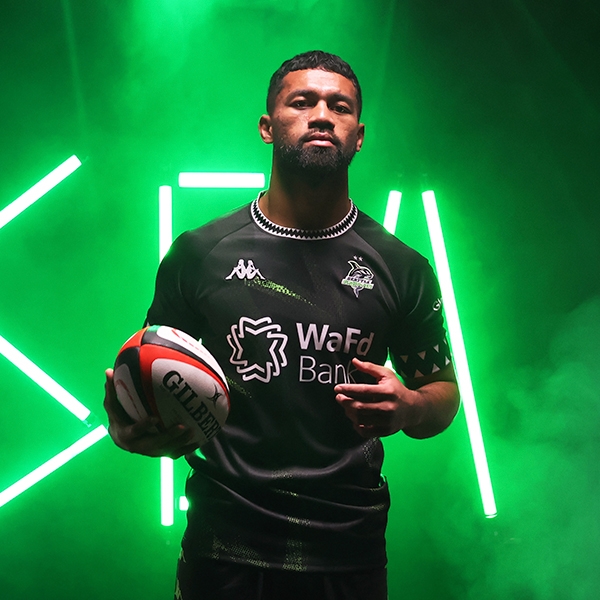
313 162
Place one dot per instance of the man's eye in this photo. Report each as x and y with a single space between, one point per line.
299 103
341 108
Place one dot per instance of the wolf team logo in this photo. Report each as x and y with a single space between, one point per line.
243 271
258 348
359 277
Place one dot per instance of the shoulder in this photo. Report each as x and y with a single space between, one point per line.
201 241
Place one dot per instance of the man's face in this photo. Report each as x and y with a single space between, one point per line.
314 124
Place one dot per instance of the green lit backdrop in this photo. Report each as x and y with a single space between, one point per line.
494 106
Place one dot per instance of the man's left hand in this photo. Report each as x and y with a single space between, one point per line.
388 406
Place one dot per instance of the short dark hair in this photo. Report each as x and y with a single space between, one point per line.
314 59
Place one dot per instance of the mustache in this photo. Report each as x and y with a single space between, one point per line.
320 132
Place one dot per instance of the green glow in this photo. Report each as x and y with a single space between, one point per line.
391 211
460 356
43 380
166 491
183 503
52 465
42 187
221 180
165 219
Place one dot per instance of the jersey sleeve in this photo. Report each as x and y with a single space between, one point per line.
420 347
174 294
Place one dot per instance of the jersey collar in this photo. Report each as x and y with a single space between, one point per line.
303 234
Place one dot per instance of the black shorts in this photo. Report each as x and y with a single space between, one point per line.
207 579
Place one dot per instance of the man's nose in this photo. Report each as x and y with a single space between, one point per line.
321 117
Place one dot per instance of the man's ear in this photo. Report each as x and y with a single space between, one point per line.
360 137
265 129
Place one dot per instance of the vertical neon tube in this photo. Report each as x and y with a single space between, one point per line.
460 356
390 220
165 219
166 492
165 239
392 210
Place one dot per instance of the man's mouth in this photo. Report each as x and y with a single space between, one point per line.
320 139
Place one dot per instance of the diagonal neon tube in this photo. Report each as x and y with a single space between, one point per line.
46 382
52 465
42 187
460 356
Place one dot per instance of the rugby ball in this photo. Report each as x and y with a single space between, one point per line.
163 372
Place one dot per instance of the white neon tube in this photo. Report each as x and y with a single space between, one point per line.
460 356
165 235
42 187
46 382
222 180
166 492
391 211
54 463
165 219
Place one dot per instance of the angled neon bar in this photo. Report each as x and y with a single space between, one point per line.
46 382
460 356
52 465
42 187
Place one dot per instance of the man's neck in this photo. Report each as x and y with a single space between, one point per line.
293 201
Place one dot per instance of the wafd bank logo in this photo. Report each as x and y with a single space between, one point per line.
259 350
243 340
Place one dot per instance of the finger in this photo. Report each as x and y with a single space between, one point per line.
377 371
353 391
115 411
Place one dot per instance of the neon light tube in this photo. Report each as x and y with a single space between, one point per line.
460 356
165 219
391 211
165 234
221 180
166 491
52 465
48 384
42 187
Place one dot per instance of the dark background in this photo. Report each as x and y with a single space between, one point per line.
494 105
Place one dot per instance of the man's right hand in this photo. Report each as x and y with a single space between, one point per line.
143 437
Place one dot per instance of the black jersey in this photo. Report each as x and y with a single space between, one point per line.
288 483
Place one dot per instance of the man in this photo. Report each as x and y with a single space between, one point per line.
300 297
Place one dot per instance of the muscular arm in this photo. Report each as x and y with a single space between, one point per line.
422 408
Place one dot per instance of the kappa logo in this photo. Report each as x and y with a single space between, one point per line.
359 277
249 340
243 271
